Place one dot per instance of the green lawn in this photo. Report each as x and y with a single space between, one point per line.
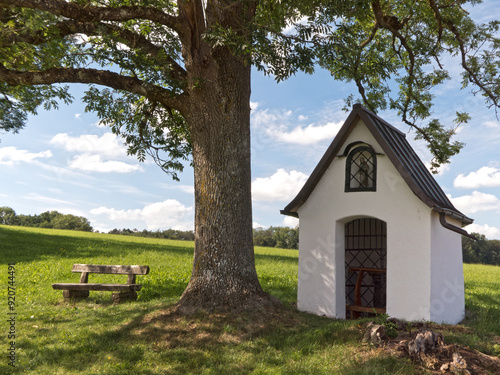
146 337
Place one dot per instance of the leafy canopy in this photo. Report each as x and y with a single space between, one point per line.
136 58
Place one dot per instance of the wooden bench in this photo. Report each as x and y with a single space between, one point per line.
357 308
122 292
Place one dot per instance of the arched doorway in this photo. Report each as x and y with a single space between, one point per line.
365 266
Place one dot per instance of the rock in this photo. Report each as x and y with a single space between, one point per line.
375 334
425 342
459 365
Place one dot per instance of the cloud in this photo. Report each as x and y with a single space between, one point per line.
266 118
256 225
491 124
491 233
484 177
290 221
160 215
308 135
94 163
50 200
108 144
11 155
281 186
476 202
281 125
94 153
443 168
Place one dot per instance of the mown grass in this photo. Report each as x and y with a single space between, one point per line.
148 337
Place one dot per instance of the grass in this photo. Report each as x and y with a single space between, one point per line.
147 337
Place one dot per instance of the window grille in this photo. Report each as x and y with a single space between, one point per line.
361 170
366 246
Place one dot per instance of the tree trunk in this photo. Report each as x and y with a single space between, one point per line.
224 274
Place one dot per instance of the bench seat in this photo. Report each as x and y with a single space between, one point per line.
121 292
96 287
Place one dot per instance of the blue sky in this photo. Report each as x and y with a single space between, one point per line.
64 160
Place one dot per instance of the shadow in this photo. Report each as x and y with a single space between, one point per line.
139 340
18 244
292 259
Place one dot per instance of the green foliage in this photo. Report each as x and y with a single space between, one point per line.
482 251
169 234
48 219
392 50
145 337
146 127
282 237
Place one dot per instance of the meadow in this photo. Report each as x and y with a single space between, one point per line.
147 336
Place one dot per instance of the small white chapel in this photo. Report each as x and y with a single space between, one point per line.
377 233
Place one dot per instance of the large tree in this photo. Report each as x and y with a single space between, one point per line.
173 78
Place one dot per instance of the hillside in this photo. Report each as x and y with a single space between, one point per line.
148 337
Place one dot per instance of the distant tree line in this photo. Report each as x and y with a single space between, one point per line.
482 251
48 219
169 234
283 237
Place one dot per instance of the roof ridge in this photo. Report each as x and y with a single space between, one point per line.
404 158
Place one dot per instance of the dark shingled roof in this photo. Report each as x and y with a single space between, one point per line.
401 154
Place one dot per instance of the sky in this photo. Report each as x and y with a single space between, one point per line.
64 160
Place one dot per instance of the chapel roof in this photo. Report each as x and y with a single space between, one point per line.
401 154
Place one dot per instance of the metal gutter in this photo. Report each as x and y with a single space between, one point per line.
454 228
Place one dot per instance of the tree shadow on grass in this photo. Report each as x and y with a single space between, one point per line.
25 246
137 340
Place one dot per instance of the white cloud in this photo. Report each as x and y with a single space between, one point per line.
485 176
476 202
11 155
491 233
267 118
94 153
160 215
94 163
281 186
290 221
254 105
78 115
256 225
107 145
50 200
491 124
443 168
308 135
282 125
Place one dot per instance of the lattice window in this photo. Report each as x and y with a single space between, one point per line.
366 246
361 170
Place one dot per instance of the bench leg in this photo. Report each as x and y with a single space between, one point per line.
124 296
69 294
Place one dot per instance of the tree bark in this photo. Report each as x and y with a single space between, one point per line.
224 274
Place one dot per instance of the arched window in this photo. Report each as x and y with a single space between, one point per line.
361 170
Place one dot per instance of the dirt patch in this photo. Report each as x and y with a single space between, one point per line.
425 345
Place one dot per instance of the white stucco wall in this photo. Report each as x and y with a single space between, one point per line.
447 278
321 288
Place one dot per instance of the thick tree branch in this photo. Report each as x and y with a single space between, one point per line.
94 76
193 13
88 13
127 37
